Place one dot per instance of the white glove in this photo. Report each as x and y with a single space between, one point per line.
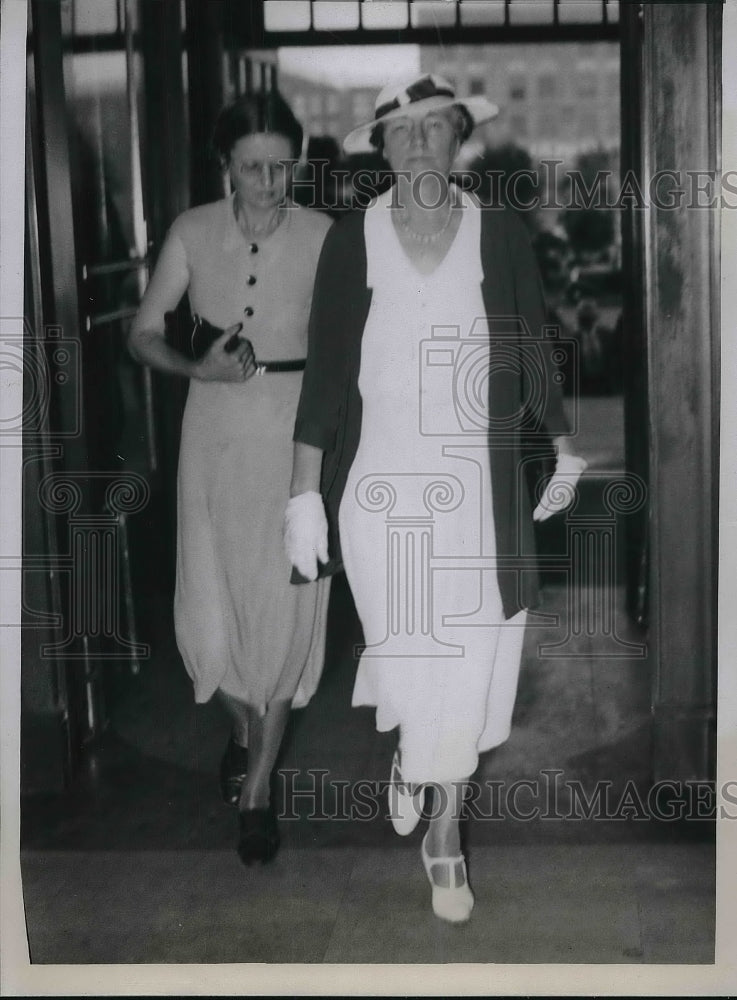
561 488
306 533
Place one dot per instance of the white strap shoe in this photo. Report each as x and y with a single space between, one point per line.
454 902
405 808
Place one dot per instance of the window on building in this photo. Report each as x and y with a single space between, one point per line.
613 125
337 15
384 14
531 12
293 16
588 125
546 86
334 15
91 16
548 126
518 127
476 85
431 14
568 121
517 88
579 11
363 107
587 83
612 84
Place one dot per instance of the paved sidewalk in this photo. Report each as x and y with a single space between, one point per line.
627 903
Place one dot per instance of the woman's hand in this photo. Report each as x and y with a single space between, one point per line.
561 488
222 364
306 533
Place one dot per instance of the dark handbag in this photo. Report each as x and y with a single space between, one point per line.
194 336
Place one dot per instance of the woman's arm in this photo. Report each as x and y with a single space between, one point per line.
305 523
337 317
562 445
544 388
168 284
560 488
147 343
305 469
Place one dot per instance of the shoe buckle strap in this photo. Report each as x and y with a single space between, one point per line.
452 865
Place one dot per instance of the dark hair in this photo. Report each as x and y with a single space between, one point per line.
463 124
254 113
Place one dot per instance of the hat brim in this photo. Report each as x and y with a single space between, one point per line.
479 108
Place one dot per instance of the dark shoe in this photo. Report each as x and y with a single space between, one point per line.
233 770
259 836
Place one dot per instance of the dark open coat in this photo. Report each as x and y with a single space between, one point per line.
525 397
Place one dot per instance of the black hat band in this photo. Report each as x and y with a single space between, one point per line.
419 91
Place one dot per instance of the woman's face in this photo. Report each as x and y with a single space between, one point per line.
418 143
260 168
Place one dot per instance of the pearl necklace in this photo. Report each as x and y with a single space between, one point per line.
425 238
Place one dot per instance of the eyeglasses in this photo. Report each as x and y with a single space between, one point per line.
254 169
403 130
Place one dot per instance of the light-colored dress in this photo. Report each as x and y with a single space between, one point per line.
416 520
241 626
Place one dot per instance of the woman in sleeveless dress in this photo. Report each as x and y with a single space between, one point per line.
248 265
425 368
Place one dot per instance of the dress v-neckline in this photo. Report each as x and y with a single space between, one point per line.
235 237
425 275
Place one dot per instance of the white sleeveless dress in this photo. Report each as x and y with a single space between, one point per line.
416 520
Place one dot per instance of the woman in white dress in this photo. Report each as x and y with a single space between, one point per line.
426 367
248 265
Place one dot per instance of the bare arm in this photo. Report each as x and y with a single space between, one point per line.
168 284
563 445
147 343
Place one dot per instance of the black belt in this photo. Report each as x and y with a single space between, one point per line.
281 366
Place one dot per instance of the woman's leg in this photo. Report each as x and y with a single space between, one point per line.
452 898
443 836
234 762
265 734
238 712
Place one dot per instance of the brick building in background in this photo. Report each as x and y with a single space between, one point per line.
558 101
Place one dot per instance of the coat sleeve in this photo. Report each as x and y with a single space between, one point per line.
541 379
328 347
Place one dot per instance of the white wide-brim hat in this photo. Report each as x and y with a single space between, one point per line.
421 95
